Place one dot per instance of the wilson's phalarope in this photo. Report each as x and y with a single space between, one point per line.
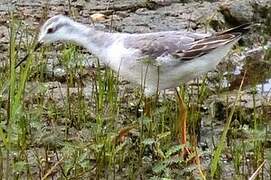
155 61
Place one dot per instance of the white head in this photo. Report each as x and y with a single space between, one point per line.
60 28
55 29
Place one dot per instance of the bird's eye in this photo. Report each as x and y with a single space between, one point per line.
50 30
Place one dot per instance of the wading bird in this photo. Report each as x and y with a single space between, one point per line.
155 61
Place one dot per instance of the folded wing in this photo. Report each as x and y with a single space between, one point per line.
181 44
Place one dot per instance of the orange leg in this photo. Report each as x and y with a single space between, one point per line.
182 122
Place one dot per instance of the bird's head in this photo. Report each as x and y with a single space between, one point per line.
55 29
58 28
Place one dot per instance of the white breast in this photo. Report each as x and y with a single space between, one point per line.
121 59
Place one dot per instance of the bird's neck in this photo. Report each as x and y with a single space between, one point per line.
91 39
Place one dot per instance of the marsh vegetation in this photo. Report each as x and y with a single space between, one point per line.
62 111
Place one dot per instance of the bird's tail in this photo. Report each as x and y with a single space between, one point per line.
243 28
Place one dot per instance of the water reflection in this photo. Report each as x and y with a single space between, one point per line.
264 88
258 71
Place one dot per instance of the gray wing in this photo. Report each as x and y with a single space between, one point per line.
205 45
182 45
154 45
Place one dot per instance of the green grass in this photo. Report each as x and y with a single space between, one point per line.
49 131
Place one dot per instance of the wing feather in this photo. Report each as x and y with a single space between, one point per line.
181 44
204 46
154 45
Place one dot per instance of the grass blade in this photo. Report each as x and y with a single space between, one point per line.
221 144
255 174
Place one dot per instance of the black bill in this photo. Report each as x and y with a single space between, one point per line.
38 45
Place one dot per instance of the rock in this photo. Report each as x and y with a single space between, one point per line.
247 100
4 34
176 16
4 40
202 12
256 66
98 17
241 11
237 11
56 71
59 91
5 6
221 105
261 5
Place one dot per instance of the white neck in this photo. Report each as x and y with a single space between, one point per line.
93 40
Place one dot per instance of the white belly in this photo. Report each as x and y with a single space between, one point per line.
166 75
